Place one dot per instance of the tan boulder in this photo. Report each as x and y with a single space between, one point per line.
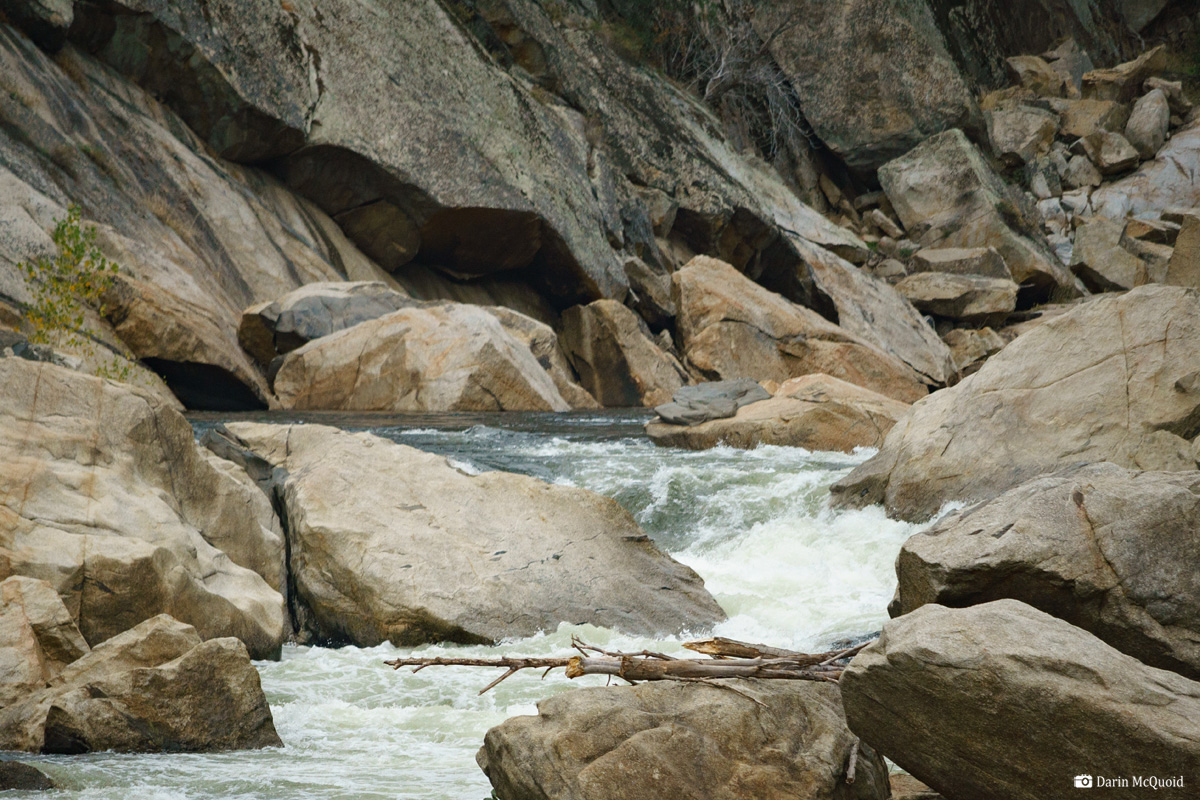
1114 379
1148 123
1184 267
1110 152
1035 74
438 358
694 741
1019 135
1004 702
815 412
730 327
154 688
616 357
105 495
972 299
1081 118
983 261
457 557
38 637
1100 261
972 346
1081 172
1123 82
545 346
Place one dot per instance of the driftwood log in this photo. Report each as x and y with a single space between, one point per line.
729 659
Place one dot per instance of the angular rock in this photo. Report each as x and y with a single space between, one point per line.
1123 82
1036 75
1101 547
38 637
1110 152
436 358
105 495
868 105
1020 135
543 343
1100 261
731 327
1166 182
15 776
457 557
966 298
1184 267
1156 257
984 261
1157 231
1082 172
972 347
945 187
1148 124
1080 118
1176 99
651 292
971 701
816 412
677 740
1111 380
154 688
618 361
692 405
1140 13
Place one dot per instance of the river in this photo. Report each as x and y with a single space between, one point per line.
754 524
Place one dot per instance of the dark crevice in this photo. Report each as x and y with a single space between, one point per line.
205 387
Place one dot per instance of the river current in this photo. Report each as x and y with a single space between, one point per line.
754 524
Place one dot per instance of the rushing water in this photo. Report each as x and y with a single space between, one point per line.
754 524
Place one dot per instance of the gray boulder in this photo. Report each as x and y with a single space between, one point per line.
15 776
699 742
1148 123
453 556
692 405
1004 702
1104 548
1114 379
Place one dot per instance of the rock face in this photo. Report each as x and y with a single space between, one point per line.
732 328
944 187
618 362
1113 380
1104 548
38 638
457 557
869 105
687 741
104 494
816 412
154 688
966 298
971 701
450 357
692 405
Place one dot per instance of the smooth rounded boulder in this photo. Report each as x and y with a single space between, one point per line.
1111 550
1115 379
1004 702
389 543
729 740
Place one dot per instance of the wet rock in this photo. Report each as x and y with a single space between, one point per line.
154 688
945 187
447 357
1100 547
15 776
669 739
1164 183
38 637
1107 381
616 357
966 298
868 105
1110 152
1184 267
971 701
692 405
816 412
1100 261
105 495
1123 82
457 557
1148 124
730 327
984 261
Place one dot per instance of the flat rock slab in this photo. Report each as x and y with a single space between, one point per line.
692 405
389 543
688 741
1115 379
1108 549
1004 702
966 298
816 412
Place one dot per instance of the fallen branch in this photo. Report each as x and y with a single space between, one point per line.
764 662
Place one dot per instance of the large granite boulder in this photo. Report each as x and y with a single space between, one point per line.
105 495
457 557
730 327
816 412
448 357
1115 379
157 687
868 104
730 740
617 359
38 637
1166 182
1004 702
947 196
1108 549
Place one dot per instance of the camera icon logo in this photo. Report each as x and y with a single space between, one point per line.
1083 781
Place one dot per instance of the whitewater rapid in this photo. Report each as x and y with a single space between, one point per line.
754 524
